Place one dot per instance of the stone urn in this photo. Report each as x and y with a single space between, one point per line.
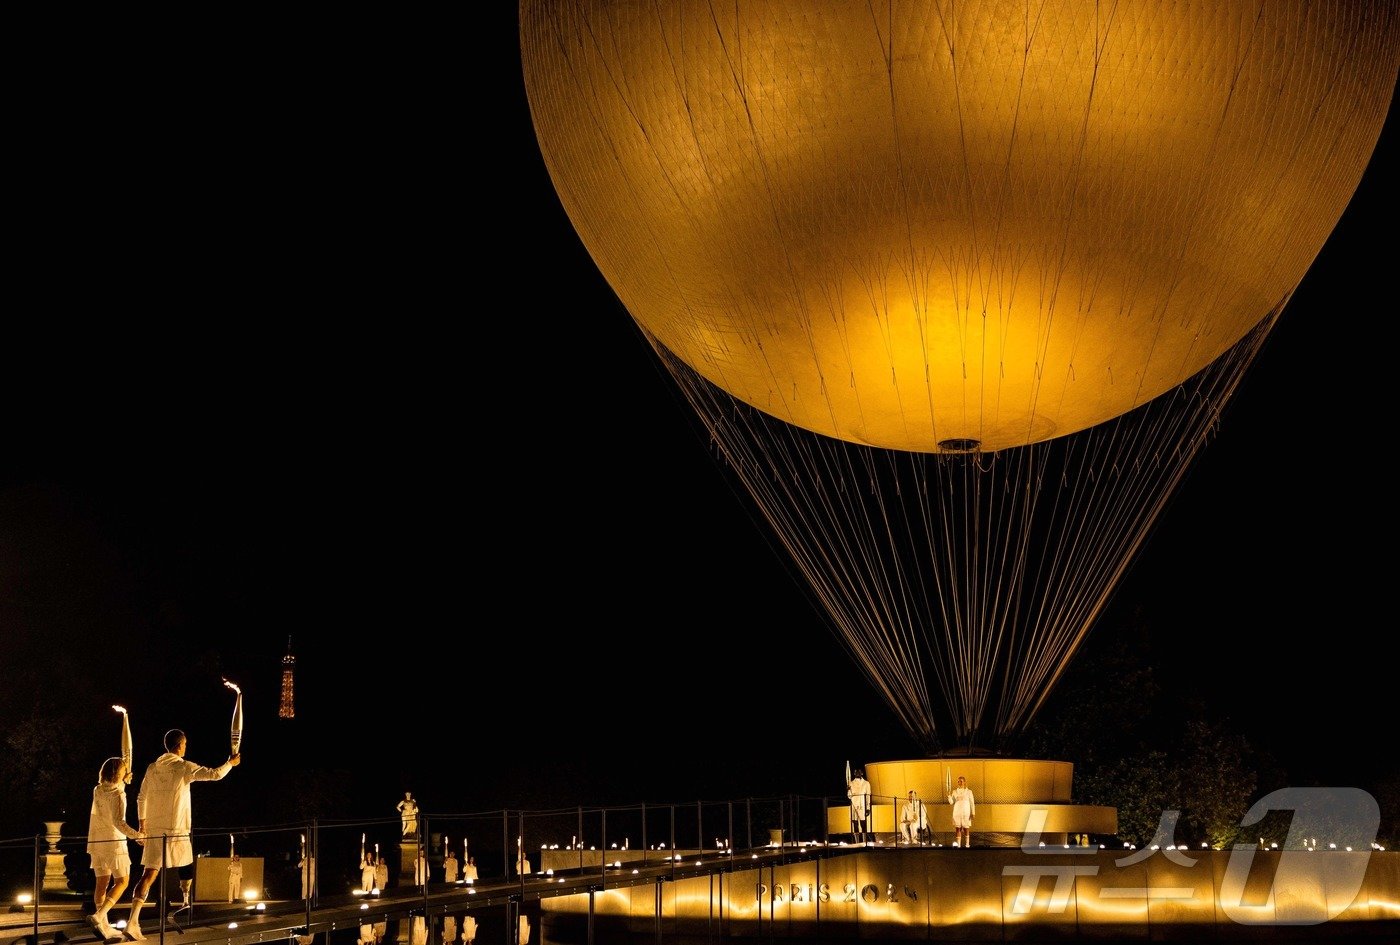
53 831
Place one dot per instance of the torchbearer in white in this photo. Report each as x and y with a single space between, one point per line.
235 873
308 871
367 883
108 832
964 808
163 805
858 790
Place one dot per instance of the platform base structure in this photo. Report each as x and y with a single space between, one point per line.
1007 894
1018 800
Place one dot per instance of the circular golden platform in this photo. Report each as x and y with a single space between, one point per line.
1018 800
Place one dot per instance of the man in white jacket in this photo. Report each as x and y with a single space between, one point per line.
163 806
913 819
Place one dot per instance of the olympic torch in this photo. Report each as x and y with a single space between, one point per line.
235 732
127 753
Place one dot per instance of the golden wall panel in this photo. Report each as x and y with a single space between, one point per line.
951 895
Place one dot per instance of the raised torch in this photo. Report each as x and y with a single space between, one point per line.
127 753
235 732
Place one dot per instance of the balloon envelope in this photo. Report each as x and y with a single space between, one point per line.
944 227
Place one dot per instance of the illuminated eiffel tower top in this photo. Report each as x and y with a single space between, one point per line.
286 709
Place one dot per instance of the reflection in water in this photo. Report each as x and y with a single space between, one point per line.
451 930
491 928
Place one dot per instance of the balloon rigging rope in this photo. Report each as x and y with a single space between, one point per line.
962 584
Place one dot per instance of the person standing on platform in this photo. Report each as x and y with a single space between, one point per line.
913 819
367 881
469 871
108 832
964 807
308 874
163 806
381 871
859 793
449 866
235 878
420 868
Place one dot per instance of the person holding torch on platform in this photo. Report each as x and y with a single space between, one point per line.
163 806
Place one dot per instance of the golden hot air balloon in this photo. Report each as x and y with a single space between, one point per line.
958 289
938 226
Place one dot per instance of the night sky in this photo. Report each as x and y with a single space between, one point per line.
312 351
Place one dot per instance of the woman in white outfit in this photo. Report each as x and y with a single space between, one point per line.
108 832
